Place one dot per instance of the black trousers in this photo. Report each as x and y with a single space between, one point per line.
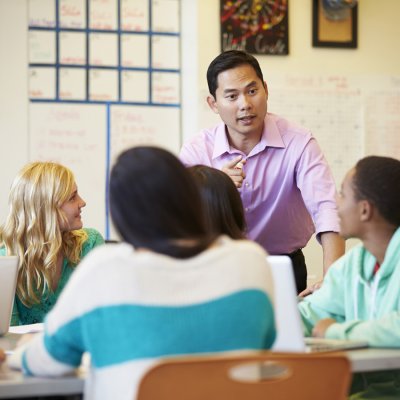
299 269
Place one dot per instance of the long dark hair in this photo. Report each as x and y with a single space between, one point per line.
155 204
377 179
223 206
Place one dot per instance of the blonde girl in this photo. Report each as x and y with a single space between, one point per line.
44 228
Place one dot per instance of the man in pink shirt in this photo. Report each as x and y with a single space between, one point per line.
286 186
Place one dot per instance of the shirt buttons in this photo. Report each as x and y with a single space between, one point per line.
247 209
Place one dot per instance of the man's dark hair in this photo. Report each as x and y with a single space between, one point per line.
223 206
377 179
155 203
228 60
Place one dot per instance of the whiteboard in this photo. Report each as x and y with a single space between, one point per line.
76 137
132 126
351 116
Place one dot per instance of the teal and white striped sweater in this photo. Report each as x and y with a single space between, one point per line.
129 308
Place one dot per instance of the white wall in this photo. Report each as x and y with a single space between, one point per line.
13 94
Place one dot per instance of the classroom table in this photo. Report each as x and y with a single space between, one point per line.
14 385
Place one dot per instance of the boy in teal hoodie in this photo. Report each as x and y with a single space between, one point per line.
360 295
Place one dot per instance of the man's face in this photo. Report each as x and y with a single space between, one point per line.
241 101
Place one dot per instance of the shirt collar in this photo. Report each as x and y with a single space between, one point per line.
221 144
271 137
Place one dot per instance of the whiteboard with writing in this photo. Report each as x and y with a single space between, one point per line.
351 116
76 137
88 138
133 126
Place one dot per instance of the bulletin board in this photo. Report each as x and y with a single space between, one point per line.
104 75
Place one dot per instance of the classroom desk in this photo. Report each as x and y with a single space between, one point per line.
374 359
14 385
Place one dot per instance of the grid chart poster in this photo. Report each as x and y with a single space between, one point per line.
257 27
104 75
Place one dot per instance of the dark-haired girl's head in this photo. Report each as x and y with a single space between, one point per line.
155 204
223 206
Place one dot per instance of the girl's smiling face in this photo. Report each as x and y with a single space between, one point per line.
72 211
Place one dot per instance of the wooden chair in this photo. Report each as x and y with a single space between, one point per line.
251 376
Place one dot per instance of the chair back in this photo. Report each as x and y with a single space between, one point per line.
251 376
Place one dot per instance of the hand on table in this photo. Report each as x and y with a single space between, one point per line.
25 338
311 289
321 327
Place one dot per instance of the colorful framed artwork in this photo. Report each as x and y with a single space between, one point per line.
255 26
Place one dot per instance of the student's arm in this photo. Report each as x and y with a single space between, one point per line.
59 349
383 332
333 247
48 355
327 302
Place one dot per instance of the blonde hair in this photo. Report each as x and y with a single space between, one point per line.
32 228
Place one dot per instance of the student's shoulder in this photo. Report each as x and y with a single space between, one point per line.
349 264
205 136
94 237
244 249
290 131
101 257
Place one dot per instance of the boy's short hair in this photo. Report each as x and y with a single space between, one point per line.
377 179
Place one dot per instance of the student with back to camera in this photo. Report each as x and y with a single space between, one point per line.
223 205
360 297
171 287
44 228
285 183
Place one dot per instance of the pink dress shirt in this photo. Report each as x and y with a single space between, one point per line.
289 191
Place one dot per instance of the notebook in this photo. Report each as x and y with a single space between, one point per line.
8 281
287 316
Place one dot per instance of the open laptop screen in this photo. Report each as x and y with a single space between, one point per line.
289 327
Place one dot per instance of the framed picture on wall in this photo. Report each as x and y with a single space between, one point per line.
258 27
334 23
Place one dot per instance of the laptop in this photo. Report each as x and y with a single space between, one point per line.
8 282
287 316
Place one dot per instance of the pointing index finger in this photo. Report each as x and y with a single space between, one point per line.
233 163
